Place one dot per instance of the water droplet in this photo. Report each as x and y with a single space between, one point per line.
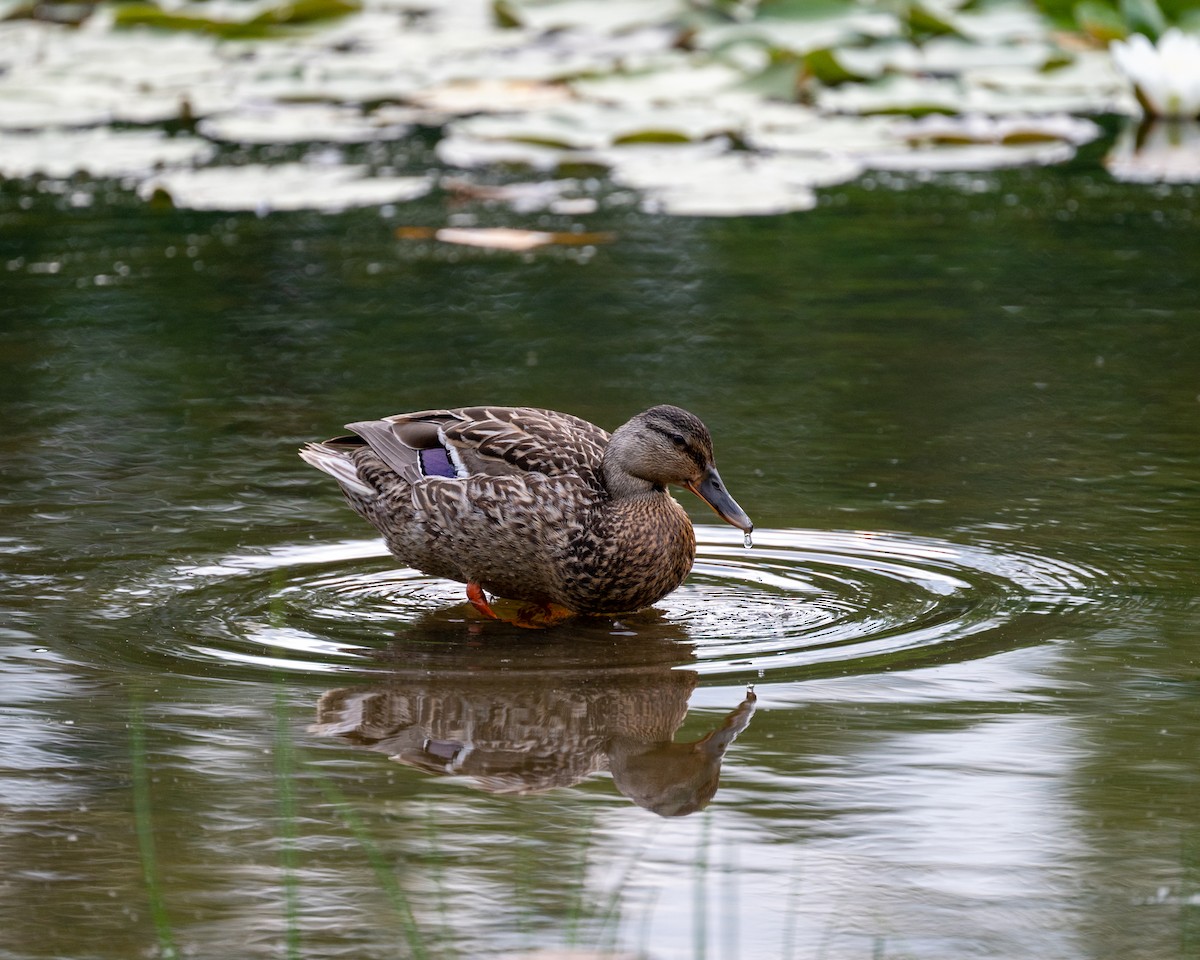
747 541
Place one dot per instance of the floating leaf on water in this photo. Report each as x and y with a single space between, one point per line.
61 154
506 14
609 16
490 95
681 83
290 186
573 206
298 123
972 157
787 128
943 56
930 17
558 57
337 82
828 66
468 153
1091 83
1000 23
894 95
800 35
519 197
591 126
414 233
25 108
56 77
563 129
951 55
976 128
503 238
303 11
243 19
684 181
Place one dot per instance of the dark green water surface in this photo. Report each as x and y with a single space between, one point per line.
962 413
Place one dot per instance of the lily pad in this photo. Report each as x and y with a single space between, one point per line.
585 126
689 181
1089 84
1000 23
523 197
905 95
468 153
607 17
971 157
58 77
801 35
943 56
683 83
263 188
976 128
298 123
490 95
789 128
507 238
61 154
245 18
31 109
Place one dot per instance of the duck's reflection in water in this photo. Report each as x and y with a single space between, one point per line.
522 716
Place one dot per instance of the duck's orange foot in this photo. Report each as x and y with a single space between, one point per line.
479 601
539 616
531 616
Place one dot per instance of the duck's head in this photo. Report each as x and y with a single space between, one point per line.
665 445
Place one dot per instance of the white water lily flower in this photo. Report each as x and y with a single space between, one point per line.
1166 76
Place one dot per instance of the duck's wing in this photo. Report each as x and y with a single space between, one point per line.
496 441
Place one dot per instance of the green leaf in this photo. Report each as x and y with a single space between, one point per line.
149 15
306 11
265 24
924 22
506 15
801 9
1100 21
781 80
1144 16
653 136
824 65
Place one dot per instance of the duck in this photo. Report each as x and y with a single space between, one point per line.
533 505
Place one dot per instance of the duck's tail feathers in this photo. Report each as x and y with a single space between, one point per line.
339 466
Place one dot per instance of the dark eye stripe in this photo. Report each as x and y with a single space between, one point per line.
697 457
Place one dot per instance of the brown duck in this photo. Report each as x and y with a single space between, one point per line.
534 505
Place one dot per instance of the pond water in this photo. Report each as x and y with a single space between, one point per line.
952 694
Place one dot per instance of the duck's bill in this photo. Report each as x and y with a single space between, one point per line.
712 491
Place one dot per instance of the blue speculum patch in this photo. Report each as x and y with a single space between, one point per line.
435 462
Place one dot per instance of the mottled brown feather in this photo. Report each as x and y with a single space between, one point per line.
546 507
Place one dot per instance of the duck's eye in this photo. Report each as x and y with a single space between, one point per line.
678 440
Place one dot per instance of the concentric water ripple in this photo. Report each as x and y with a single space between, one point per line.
800 602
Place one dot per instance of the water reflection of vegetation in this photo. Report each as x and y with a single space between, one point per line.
143 816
